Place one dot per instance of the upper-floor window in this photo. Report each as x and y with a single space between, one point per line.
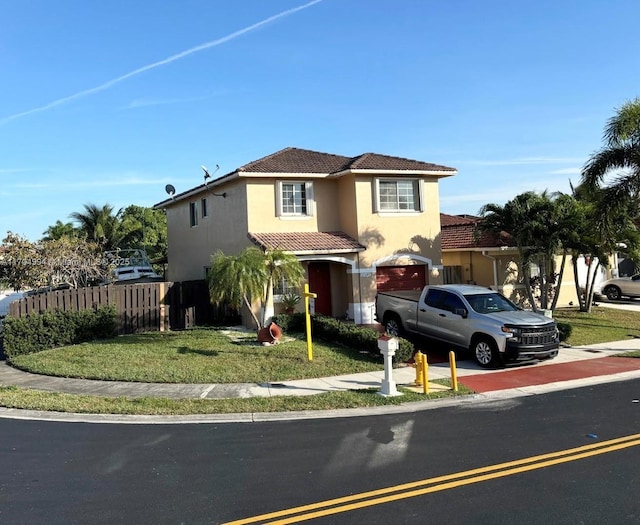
193 213
294 199
204 208
399 195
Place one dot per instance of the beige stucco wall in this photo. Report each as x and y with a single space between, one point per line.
261 208
396 238
190 248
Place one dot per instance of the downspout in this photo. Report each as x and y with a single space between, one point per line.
495 268
359 290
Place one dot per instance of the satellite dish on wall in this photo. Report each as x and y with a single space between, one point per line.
170 190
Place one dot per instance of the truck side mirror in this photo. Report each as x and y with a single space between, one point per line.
461 312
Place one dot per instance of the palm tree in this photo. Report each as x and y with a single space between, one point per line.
615 170
241 279
102 226
620 156
525 218
59 230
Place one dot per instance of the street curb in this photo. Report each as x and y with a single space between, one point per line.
471 400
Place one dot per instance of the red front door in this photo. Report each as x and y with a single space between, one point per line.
320 284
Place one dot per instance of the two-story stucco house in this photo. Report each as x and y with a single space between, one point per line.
357 224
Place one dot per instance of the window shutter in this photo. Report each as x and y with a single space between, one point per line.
278 198
421 203
376 195
308 189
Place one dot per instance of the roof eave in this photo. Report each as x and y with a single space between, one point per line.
430 173
281 175
194 191
480 249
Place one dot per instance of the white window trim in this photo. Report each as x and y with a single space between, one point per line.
308 188
376 196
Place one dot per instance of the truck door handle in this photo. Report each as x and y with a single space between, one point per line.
442 315
423 310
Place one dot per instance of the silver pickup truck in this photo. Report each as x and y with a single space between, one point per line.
474 318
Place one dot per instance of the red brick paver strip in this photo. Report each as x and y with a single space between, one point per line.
544 374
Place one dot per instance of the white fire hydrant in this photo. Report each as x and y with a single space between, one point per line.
388 346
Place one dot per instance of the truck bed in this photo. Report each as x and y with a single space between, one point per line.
410 295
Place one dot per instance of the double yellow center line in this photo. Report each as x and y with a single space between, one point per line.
427 486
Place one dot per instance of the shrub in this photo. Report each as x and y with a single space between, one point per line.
51 329
565 330
352 336
290 322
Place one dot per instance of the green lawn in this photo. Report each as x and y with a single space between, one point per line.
197 356
600 326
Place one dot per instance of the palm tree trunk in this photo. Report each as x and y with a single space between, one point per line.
255 318
556 295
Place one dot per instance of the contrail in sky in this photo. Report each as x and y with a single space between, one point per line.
168 60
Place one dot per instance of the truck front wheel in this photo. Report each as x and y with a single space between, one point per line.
393 325
485 352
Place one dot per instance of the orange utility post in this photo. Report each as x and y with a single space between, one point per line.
308 295
454 371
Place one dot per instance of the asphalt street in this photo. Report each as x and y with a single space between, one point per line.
61 472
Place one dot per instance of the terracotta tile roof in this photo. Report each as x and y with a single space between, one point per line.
460 232
297 160
374 161
307 242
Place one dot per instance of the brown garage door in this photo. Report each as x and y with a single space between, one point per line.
412 277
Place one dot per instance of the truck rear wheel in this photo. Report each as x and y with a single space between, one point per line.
393 325
485 352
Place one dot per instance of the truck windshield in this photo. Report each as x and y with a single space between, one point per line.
490 302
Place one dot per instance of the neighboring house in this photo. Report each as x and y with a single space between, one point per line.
357 224
487 259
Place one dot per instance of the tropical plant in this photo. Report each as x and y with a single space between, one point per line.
149 230
615 171
620 156
249 276
290 301
539 224
523 218
104 227
59 230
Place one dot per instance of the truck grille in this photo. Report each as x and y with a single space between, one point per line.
538 336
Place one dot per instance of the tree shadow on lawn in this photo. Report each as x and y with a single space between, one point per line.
186 350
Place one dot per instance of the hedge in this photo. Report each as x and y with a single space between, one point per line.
50 329
350 335
565 330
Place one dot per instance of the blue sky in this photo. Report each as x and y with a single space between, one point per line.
110 100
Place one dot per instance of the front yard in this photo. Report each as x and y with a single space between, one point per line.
201 355
212 356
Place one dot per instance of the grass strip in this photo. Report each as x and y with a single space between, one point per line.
21 398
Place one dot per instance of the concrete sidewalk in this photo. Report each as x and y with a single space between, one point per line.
568 363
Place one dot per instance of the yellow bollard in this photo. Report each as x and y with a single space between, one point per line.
308 295
454 371
417 362
425 374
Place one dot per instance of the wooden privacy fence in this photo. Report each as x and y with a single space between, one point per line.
140 307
